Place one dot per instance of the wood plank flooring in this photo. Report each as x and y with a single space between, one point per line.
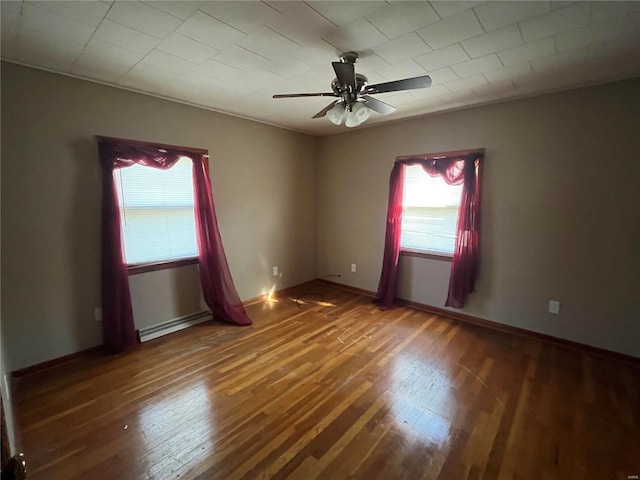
334 390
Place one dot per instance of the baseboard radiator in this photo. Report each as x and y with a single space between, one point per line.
170 326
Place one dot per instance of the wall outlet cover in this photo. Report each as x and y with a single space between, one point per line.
554 306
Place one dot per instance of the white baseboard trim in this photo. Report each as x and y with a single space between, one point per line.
180 323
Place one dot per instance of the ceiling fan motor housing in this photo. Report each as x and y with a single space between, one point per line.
344 91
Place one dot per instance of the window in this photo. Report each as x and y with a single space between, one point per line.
430 212
156 212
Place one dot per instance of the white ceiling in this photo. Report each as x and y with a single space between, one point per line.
232 56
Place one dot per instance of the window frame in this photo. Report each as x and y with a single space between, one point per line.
138 268
430 254
412 252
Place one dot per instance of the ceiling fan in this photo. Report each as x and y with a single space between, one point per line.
355 102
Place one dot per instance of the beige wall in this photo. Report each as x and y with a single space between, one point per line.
560 211
164 295
558 223
263 182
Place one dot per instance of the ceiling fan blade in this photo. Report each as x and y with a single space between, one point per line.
346 74
406 84
378 106
324 111
292 95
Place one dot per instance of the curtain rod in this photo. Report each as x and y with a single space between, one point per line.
160 146
457 153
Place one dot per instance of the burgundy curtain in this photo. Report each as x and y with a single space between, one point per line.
217 284
220 294
455 170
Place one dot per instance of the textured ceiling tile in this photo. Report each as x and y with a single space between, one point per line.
106 61
196 80
184 47
601 11
406 69
287 68
182 9
433 91
466 83
10 8
180 92
528 51
208 30
402 48
301 43
442 75
477 65
620 48
560 61
245 16
452 30
493 42
218 70
493 15
38 19
442 58
269 44
369 62
300 23
359 35
256 79
97 71
166 61
316 80
318 54
447 8
508 73
48 51
600 33
121 36
89 13
401 18
144 18
238 57
496 91
342 13
397 99
147 74
555 22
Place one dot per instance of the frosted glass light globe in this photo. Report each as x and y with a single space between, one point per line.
336 113
358 114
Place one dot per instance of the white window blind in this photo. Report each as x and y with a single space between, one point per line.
430 212
157 213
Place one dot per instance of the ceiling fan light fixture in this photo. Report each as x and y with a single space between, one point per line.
358 114
336 113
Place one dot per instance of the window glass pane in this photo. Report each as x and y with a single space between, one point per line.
156 212
430 212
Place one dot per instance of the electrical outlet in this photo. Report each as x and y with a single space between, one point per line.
275 271
353 268
97 312
554 306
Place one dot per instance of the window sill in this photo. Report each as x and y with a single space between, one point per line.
430 256
152 267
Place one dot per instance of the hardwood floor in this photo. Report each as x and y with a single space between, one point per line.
335 390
